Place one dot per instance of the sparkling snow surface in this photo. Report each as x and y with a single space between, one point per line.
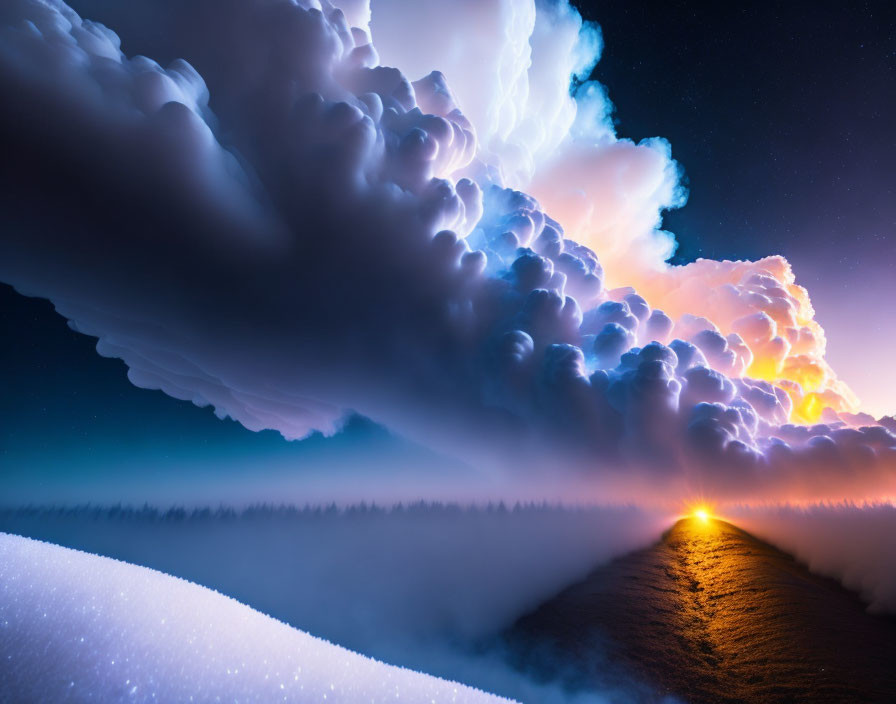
79 627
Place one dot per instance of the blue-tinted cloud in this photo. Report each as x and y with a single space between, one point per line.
281 227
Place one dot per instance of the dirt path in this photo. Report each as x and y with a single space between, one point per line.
711 614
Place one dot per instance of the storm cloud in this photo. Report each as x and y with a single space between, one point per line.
314 209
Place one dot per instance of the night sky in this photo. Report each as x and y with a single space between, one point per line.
783 121
76 430
782 115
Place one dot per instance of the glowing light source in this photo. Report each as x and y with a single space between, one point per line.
700 511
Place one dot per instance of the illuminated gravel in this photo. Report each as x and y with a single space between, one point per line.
711 614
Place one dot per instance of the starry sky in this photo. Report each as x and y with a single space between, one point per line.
782 118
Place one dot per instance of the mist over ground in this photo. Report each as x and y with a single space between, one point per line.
78 627
429 586
424 586
855 544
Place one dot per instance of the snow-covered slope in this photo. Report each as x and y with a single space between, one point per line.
78 627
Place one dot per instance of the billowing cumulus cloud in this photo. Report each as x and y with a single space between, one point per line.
402 211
